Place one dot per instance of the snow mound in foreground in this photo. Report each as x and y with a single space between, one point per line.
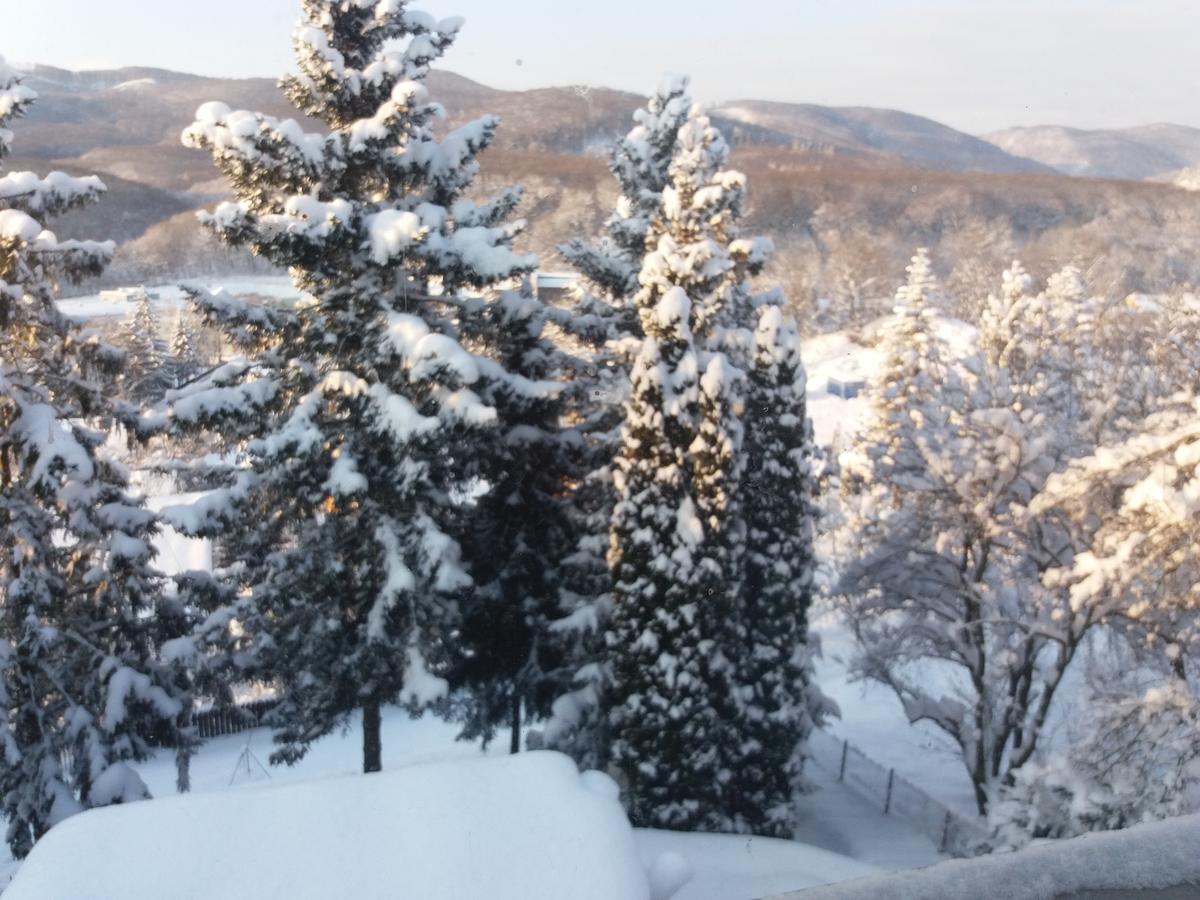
525 827
1148 860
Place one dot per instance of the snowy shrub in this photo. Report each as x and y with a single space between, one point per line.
1138 761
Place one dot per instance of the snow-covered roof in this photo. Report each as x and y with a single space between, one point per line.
525 827
555 279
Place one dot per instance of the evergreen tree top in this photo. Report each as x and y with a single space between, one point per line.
695 239
920 294
379 187
641 162
350 67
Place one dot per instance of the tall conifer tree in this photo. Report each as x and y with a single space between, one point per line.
521 528
81 683
685 623
360 415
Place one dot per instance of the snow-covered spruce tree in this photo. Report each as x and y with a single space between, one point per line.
147 375
641 164
80 682
914 375
699 256
754 494
668 706
360 417
603 322
185 362
521 528
781 702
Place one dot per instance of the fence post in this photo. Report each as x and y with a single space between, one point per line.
887 800
842 767
945 834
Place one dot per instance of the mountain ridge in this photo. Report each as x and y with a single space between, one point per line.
139 106
1137 153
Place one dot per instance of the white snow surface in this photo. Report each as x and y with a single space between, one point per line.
19 226
526 827
743 867
839 356
1150 857
171 296
135 84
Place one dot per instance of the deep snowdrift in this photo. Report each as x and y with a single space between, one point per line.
516 828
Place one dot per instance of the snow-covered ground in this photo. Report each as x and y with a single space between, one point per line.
528 827
839 357
171 296
842 835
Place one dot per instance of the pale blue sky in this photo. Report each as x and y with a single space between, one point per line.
974 64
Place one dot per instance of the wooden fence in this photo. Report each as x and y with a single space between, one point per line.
232 720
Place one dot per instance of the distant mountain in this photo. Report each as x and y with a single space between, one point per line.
886 132
127 121
130 207
1132 153
845 193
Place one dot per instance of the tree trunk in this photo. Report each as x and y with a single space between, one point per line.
981 794
515 711
372 743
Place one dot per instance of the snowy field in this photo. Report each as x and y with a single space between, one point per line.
171 296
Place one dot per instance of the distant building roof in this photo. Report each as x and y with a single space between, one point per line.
554 280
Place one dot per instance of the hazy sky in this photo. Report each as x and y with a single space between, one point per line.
974 64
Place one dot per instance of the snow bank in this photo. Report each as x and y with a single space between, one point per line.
523 827
1137 862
